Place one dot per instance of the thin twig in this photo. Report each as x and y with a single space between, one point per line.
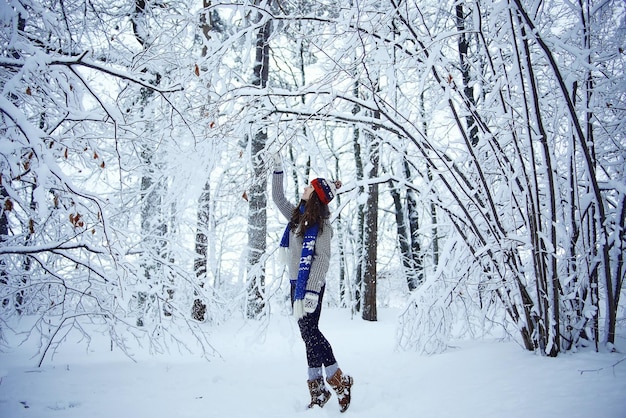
602 368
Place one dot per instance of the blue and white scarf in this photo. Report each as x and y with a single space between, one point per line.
306 258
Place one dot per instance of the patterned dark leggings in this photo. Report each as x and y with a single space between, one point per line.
318 350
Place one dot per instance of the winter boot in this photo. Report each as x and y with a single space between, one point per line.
341 384
319 394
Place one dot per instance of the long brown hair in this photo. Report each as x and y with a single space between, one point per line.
314 213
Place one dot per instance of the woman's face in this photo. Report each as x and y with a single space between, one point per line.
306 194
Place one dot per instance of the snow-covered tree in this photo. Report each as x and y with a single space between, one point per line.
78 83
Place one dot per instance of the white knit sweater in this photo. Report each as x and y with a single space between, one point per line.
321 259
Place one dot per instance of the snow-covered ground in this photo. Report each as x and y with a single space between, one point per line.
262 373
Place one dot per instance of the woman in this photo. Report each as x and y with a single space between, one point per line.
306 250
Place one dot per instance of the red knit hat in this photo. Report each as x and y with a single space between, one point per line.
325 190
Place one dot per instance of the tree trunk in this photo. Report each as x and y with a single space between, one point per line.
463 43
199 308
153 224
433 207
403 237
152 230
358 161
257 215
6 204
369 312
417 258
408 235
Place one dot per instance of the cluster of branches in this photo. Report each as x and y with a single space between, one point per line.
80 90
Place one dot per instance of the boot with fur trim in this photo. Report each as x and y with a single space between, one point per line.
341 384
319 393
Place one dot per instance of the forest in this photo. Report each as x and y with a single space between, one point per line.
481 146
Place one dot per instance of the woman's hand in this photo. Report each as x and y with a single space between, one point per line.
278 162
308 305
311 300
